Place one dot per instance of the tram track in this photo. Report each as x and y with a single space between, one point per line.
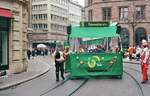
74 91
48 91
62 83
135 69
55 87
136 81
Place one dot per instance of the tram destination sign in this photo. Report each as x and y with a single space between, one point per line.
94 24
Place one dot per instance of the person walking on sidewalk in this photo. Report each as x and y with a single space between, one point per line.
144 61
59 62
28 54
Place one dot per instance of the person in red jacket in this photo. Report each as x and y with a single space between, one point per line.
144 61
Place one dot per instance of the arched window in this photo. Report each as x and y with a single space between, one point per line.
124 37
140 34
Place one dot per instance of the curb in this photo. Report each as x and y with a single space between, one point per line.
25 80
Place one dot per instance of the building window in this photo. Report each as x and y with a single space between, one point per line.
40 26
106 13
140 12
140 34
90 2
90 15
44 26
45 16
123 13
40 16
124 34
35 26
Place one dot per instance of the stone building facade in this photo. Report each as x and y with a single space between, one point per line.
132 15
14 42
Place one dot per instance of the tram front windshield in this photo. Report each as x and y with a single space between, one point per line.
101 45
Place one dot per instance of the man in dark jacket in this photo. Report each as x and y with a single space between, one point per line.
59 63
28 54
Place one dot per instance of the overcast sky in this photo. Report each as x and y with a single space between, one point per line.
81 2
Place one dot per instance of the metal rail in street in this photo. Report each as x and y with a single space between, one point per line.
136 81
55 87
74 91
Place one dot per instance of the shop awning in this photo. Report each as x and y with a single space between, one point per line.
93 32
6 13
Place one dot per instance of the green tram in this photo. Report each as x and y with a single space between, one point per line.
105 59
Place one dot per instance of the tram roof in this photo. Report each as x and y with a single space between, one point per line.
93 32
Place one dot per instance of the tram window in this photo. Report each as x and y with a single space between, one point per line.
114 44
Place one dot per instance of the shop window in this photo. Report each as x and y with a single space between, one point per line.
4 29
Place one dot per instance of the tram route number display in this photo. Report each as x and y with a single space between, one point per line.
94 24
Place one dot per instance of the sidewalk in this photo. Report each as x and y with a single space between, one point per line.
36 67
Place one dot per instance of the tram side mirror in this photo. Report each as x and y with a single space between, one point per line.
69 29
118 29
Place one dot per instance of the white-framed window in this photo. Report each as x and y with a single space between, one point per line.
123 13
140 12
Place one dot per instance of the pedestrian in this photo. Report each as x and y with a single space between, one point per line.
59 63
28 54
144 61
138 51
33 53
131 51
46 52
